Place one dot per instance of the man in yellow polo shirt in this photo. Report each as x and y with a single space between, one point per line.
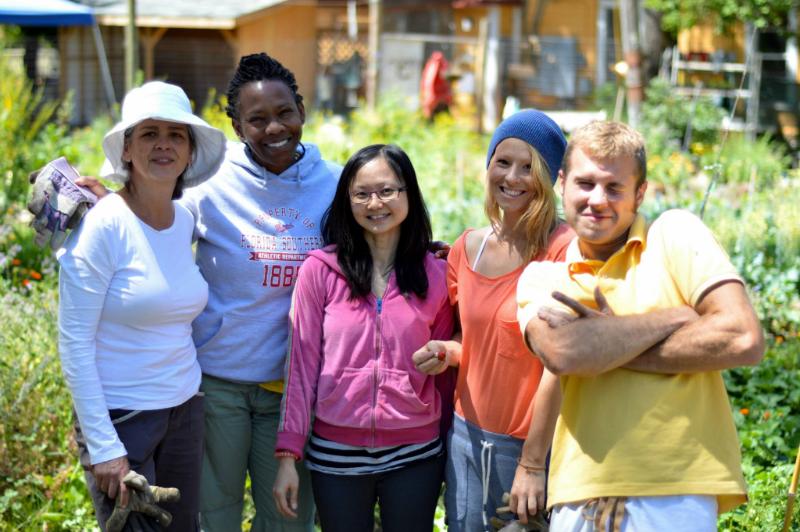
639 321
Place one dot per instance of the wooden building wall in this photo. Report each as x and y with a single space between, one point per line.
289 34
704 39
573 18
196 60
80 71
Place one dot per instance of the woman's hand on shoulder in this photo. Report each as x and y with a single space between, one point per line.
109 476
436 356
440 249
285 489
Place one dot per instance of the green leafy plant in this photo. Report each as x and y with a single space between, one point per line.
38 478
766 405
24 115
449 158
723 14
762 161
666 116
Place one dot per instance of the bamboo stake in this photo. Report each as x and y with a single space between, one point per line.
787 519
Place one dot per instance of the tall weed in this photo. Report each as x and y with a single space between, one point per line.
39 481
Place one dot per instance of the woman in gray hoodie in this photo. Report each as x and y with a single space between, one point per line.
255 223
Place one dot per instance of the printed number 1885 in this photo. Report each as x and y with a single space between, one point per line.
276 275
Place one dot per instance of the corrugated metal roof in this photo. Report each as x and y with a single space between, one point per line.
181 13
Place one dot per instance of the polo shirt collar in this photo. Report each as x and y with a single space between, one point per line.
636 239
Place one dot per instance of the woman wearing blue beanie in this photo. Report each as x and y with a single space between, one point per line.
506 403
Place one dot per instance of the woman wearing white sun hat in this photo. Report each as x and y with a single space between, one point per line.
129 290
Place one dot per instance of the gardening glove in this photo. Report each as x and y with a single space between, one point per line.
536 523
142 513
57 203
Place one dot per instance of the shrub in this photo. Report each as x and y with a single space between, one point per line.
763 161
761 231
667 115
766 405
39 479
448 157
24 117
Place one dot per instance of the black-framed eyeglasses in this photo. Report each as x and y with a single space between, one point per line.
384 194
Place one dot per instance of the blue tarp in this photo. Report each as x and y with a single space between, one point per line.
44 13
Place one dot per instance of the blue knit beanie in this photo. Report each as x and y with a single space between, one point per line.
538 130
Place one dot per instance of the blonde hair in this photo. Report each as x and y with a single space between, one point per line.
609 140
539 219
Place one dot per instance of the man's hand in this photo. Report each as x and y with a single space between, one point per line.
110 478
286 487
556 318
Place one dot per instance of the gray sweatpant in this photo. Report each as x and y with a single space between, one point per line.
476 458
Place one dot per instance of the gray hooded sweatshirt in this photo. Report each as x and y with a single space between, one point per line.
253 231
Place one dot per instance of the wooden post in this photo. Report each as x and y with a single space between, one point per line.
374 41
131 47
492 72
105 71
792 58
480 63
628 12
150 39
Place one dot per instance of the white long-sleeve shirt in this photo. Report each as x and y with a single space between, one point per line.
128 295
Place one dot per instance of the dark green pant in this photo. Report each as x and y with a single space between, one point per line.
241 427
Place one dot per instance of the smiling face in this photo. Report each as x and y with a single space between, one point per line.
158 150
601 198
270 122
510 178
377 217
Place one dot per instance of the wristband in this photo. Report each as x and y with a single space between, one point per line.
530 468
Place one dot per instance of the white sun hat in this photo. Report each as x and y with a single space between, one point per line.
163 101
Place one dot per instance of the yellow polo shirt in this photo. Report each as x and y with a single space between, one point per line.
630 433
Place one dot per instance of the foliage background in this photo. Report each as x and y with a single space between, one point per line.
752 209
679 14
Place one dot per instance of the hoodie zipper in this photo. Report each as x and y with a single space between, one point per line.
378 308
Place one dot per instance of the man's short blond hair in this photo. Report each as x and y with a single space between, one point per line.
607 140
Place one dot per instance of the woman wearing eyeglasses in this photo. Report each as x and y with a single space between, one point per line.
361 307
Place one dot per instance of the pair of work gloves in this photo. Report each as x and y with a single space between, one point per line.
536 523
57 203
143 513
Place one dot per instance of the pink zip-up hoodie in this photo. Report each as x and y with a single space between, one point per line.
349 363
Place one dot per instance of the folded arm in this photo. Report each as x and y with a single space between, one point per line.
597 342
727 334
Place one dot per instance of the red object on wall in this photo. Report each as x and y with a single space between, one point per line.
436 93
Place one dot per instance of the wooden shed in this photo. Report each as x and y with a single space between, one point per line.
193 43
